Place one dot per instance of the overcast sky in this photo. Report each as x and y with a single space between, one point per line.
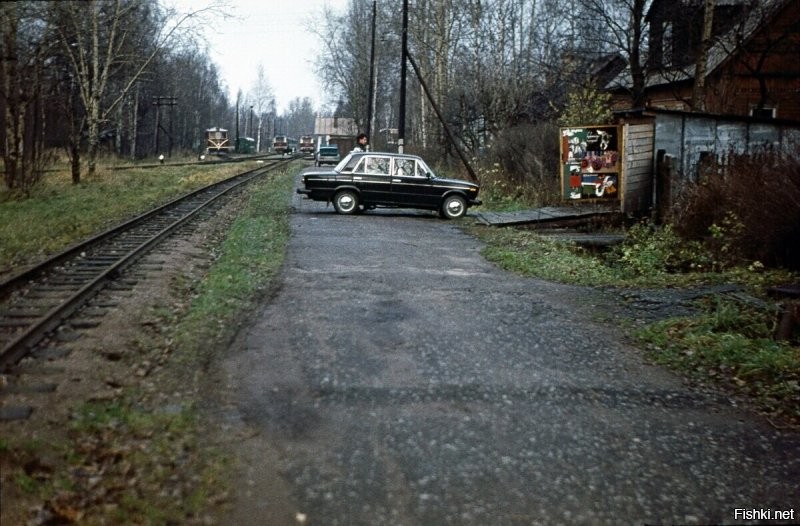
270 32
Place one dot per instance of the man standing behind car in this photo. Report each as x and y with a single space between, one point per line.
361 143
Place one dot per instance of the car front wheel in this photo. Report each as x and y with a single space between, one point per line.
346 202
453 207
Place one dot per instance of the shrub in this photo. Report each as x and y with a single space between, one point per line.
747 208
587 105
648 250
528 157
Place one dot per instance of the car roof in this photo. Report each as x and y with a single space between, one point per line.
390 154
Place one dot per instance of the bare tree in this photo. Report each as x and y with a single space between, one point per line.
299 117
511 55
95 38
24 50
344 64
261 94
624 31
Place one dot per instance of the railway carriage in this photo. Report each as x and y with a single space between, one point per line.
307 144
245 145
217 141
283 144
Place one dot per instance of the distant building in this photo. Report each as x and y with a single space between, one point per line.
335 126
340 131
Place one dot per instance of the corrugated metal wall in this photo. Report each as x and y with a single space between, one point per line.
689 138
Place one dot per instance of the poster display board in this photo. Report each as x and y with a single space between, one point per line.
591 162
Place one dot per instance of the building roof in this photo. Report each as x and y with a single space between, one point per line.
724 46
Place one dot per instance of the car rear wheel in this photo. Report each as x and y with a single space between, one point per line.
346 202
453 207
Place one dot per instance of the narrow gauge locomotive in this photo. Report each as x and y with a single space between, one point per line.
284 144
217 141
307 144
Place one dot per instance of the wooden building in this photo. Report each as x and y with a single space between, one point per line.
664 149
340 131
752 67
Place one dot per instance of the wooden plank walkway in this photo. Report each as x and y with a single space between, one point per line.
545 214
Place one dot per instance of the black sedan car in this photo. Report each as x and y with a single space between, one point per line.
365 180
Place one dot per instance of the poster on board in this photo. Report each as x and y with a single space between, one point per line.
590 162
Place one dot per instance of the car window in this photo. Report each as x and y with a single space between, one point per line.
422 170
377 165
405 167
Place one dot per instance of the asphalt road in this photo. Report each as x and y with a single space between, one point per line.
398 378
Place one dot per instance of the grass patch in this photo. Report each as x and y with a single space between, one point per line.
532 255
249 258
123 463
637 264
730 345
59 214
246 262
133 460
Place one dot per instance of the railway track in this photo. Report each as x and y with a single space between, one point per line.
210 160
36 302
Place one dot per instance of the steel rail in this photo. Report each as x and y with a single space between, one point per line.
23 343
20 279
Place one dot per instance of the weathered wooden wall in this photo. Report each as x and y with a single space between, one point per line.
637 181
680 141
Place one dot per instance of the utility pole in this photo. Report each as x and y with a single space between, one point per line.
158 124
371 101
158 102
447 131
401 128
238 100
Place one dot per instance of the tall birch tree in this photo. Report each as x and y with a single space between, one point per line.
98 39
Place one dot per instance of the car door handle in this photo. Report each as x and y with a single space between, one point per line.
397 180
357 178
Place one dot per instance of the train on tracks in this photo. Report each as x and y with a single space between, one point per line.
217 142
283 144
307 144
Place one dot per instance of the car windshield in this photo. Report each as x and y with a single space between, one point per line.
345 163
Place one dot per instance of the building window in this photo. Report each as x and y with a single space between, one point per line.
763 113
667 44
